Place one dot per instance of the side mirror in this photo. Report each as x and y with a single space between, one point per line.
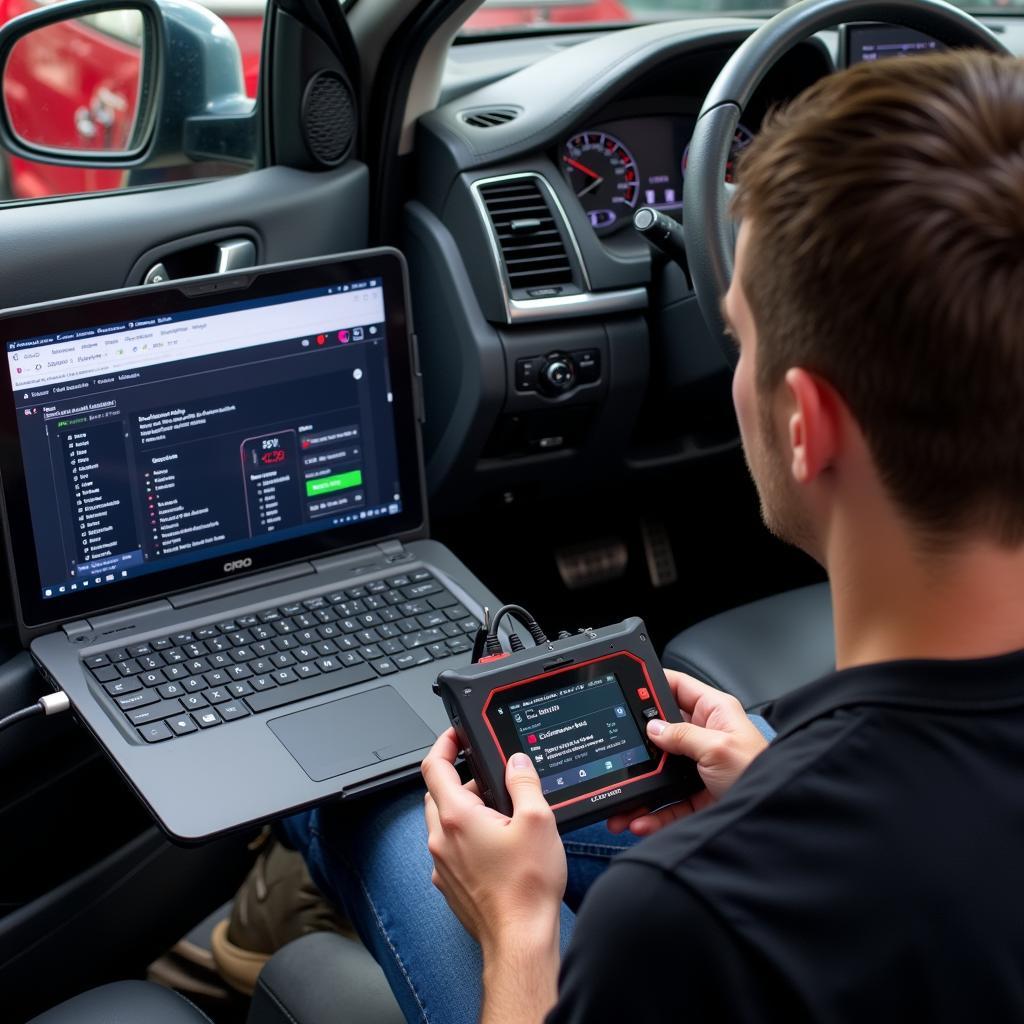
123 84
107 109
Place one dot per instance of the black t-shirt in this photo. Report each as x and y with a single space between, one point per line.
868 867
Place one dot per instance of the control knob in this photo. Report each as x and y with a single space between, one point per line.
557 375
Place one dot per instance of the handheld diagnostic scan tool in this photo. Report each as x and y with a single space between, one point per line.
578 707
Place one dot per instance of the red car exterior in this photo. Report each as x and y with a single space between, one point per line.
75 85
496 16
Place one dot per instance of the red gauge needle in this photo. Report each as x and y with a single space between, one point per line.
579 167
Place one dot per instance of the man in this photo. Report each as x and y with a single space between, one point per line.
866 864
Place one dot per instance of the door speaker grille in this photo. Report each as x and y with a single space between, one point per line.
328 118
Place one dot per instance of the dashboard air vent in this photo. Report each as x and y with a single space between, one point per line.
531 245
490 118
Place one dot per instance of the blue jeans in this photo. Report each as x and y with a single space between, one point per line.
370 857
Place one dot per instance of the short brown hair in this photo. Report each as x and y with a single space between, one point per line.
887 255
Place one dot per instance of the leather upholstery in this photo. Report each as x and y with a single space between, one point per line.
125 1002
323 978
761 650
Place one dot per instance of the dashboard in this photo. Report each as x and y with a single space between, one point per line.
558 345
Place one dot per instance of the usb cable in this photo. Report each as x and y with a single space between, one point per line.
50 704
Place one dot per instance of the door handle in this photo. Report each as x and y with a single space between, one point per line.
235 254
226 256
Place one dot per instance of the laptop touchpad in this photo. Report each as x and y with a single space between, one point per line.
352 733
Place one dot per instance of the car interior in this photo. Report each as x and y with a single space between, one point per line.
579 445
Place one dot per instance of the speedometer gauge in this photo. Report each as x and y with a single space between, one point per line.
604 176
743 138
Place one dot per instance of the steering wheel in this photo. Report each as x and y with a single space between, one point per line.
710 236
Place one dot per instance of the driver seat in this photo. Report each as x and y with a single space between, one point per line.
761 650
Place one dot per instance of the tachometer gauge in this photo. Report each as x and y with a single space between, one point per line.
743 138
604 176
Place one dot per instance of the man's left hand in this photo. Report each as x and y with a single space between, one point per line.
503 877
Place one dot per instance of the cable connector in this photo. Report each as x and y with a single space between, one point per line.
480 639
50 704
55 703
538 634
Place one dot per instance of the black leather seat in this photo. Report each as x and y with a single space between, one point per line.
761 650
125 1002
321 978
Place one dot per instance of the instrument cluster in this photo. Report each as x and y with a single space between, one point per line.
617 166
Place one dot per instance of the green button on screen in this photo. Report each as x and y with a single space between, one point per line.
338 482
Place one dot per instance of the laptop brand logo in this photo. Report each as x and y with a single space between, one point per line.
238 563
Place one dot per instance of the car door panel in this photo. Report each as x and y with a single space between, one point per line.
76 246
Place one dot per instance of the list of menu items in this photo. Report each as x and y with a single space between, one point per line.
175 523
271 489
101 504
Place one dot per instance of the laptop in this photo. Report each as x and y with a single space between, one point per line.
215 518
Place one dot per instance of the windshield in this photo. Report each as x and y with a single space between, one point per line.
515 15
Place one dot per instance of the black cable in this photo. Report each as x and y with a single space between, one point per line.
519 612
18 716
50 704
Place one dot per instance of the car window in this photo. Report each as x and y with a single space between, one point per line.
75 85
509 16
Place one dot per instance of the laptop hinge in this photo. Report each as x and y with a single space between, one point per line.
368 559
394 551
103 627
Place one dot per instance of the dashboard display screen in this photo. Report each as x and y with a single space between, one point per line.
867 43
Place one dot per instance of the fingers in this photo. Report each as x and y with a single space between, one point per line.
619 823
523 784
689 691
446 747
685 738
648 824
439 772
430 813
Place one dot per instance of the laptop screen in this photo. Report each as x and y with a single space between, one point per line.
207 432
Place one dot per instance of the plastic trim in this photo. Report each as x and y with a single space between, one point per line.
585 303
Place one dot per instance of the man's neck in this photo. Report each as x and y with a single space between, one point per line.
891 601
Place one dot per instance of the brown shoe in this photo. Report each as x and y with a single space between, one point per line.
277 903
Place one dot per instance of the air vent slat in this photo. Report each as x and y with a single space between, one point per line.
509 207
536 257
536 246
489 118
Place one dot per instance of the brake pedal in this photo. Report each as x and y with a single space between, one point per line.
661 561
584 565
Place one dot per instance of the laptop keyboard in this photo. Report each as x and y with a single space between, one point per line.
225 671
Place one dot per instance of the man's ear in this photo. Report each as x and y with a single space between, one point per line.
813 426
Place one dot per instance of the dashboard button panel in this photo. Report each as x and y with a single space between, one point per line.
588 365
558 372
526 373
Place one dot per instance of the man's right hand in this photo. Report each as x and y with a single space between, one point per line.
717 735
